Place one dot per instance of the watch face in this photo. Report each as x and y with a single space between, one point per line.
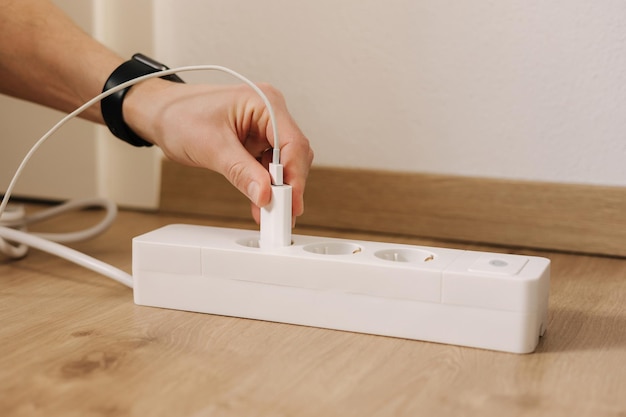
149 62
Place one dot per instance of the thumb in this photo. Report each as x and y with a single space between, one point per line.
249 177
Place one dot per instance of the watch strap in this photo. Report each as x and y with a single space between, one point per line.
111 106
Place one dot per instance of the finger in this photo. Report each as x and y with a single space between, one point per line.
297 157
246 174
256 213
266 158
296 152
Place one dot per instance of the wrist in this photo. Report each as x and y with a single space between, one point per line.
141 108
112 106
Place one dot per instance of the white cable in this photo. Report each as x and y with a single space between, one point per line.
18 219
67 253
13 216
13 251
24 220
25 239
108 205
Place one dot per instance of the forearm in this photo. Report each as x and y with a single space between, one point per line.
47 59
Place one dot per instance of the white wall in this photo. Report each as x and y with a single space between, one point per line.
517 89
64 166
83 159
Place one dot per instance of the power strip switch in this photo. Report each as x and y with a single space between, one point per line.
477 299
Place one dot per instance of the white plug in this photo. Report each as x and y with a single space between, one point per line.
276 216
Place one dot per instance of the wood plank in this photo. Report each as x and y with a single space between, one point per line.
566 217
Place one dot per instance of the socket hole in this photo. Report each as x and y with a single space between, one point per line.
252 242
334 248
405 255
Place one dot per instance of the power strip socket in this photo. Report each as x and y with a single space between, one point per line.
478 299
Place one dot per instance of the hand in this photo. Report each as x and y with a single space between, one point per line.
223 128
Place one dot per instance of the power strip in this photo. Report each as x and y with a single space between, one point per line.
478 299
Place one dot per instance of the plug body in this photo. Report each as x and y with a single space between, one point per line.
276 219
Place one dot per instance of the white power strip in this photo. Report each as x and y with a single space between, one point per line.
479 299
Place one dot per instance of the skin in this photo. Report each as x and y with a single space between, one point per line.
222 128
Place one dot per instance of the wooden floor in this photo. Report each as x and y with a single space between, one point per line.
72 343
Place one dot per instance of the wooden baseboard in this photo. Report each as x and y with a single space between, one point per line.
566 217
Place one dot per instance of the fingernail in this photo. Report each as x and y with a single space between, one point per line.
253 192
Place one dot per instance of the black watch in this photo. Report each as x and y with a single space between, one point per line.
111 106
